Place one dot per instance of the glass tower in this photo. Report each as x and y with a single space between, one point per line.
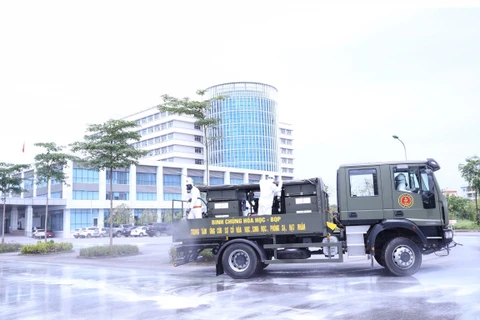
247 131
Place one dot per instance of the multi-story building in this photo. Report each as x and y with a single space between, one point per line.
248 127
252 143
249 134
469 193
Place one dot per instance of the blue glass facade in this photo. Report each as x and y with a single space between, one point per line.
248 126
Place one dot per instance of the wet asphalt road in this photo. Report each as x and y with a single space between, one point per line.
147 286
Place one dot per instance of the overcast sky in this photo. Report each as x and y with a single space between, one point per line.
349 77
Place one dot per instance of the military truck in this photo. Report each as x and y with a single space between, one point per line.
390 212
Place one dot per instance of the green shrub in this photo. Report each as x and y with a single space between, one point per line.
47 247
10 247
109 251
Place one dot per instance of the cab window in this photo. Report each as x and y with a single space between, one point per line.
363 182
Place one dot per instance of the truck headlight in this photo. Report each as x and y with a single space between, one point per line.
448 234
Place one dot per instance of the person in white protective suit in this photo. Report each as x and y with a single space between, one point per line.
401 182
268 190
194 210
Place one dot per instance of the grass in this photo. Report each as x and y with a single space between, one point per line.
466 225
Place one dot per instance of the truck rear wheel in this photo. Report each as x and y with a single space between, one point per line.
240 261
402 257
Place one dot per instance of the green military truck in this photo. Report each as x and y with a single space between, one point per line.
390 212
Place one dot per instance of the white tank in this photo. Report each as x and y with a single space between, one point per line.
330 251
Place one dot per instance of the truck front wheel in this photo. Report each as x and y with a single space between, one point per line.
240 261
402 257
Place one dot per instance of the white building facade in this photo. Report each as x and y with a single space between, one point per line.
85 198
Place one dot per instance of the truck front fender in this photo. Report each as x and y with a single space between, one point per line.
253 244
393 224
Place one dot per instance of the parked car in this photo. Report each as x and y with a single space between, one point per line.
76 233
105 232
122 230
40 233
90 232
139 231
159 228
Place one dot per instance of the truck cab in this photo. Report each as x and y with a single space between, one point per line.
392 200
369 193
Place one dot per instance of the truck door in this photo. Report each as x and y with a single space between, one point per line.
364 199
414 196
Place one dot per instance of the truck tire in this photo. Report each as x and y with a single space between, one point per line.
402 257
240 261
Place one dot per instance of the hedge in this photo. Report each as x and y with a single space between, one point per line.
47 247
109 251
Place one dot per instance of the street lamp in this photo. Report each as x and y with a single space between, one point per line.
405 149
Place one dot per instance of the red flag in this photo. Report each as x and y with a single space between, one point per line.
23 148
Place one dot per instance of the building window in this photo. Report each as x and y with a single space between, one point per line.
197 127
56 195
119 177
198 161
146 179
28 184
216 181
198 138
85 195
85 175
147 196
172 180
197 180
172 196
236 181
82 218
118 196
198 150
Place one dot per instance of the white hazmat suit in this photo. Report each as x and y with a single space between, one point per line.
268 190
194 210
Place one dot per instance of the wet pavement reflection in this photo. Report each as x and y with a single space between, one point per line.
134 288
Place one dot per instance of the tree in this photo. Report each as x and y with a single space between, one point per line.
10 182
122 214
200 110
460 208
471 173
147 217
108 147
49 167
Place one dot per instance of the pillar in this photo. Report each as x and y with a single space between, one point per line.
28 221
66 224
14 219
